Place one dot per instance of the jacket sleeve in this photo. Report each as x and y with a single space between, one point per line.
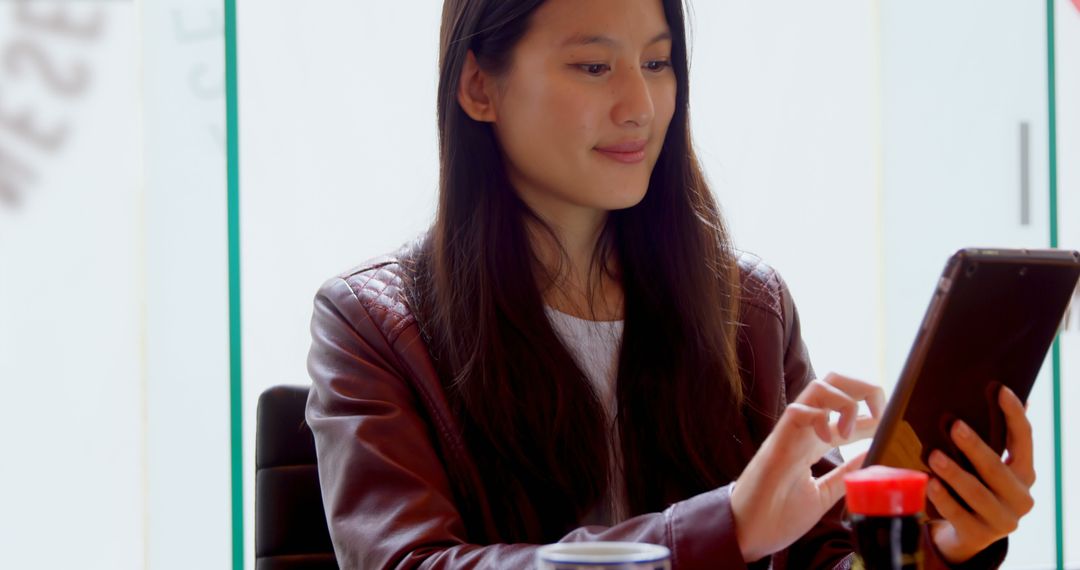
829 544
386 491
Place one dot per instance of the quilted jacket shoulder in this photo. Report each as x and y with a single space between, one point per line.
379 285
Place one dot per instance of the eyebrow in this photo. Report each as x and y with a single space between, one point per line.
589 39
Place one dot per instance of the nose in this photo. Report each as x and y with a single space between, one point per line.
633 100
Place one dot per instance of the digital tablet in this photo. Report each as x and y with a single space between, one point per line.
990 323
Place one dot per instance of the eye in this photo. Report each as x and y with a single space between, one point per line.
657 66
596 69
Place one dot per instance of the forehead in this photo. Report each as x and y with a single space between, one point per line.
561 24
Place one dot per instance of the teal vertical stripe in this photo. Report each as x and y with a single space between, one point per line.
235 371
1051 89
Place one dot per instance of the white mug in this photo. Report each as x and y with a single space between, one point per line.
603 556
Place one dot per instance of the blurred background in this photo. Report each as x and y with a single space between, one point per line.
854 145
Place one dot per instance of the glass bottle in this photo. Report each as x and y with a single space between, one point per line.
885 507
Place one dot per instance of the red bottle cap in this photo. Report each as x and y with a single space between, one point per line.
880 491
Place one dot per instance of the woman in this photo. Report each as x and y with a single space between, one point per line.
575 352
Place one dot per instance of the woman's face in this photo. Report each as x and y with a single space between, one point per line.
582 113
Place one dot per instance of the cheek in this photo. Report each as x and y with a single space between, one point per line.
665 106
570 118
549 119
556 107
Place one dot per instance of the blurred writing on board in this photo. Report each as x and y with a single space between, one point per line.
44 73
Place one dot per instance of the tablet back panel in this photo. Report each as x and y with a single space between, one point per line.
991 322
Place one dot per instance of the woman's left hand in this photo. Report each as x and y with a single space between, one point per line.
997 506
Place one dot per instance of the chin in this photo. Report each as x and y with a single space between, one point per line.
623 199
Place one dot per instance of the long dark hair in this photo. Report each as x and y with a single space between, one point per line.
530 417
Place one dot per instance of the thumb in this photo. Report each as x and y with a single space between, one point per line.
831 485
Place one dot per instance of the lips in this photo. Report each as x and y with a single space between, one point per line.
627 152
628 146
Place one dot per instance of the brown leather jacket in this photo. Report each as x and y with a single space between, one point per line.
401 490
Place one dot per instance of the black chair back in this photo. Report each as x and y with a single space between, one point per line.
290 523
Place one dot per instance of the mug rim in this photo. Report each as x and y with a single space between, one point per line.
642 552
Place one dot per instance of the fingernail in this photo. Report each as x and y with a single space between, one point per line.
962 430
938 461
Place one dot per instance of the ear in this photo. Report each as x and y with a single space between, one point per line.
474 91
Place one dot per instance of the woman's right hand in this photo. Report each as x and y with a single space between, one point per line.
777 499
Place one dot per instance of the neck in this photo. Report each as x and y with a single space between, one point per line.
570 281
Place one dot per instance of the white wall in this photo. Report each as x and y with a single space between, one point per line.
785 118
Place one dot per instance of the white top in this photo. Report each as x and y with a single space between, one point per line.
595 348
